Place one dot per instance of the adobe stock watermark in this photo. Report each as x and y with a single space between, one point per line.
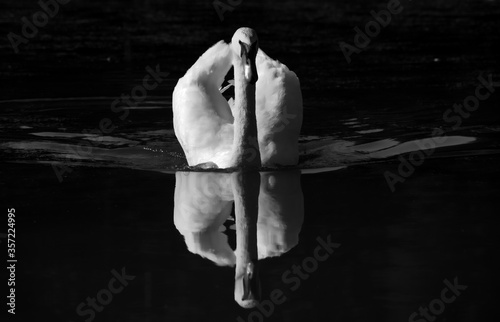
292 278
372 29
221 7
96 304
426 147
151 80
437 306
29 29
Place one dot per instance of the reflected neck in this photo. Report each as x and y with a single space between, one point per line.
246 187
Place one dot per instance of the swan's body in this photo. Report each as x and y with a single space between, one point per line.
211 130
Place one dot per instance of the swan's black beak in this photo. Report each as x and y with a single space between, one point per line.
250 285
248 55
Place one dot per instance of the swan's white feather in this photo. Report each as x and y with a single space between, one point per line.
279 112
202 117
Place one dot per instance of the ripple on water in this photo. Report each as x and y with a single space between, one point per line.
146 140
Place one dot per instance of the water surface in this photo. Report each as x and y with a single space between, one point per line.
87 203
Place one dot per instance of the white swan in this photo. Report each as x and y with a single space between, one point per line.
261 127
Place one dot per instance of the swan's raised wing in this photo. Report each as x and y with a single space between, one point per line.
202 117
279 112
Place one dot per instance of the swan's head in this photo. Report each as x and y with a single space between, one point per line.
247 290
245 45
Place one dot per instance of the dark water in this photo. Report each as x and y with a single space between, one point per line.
88 204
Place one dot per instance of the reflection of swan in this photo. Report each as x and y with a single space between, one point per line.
203 203
264 119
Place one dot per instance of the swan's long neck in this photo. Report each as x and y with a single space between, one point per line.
245 144
246 187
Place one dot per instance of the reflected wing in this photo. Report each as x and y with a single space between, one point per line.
202 203
281 212
279 111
